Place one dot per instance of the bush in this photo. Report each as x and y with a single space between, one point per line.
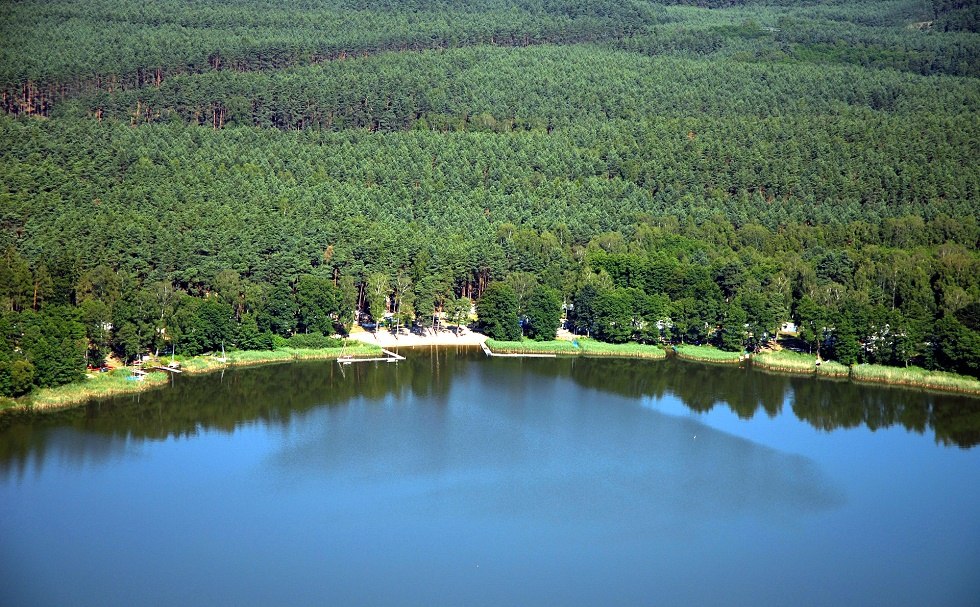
313 341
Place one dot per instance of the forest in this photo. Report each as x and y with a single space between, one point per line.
237 174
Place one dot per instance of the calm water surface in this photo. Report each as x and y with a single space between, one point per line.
452 479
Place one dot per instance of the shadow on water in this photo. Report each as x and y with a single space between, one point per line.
826 404
270 394
548 450
274 394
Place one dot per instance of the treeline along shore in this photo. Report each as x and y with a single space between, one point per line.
248 176
156 372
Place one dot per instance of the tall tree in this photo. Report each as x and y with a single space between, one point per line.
497 312
543 312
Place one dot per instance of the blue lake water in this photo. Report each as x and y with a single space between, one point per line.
452 479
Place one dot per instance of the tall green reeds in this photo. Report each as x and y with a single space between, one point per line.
708 354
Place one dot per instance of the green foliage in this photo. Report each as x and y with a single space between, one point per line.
733 334
497 312
613 316
378 292
215 174
457 309
846 346
957 347
543 313
52 342
811 319
279 310
313 341
318 303
249 337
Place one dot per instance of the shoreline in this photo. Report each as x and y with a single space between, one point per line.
794 363
804 365
116 383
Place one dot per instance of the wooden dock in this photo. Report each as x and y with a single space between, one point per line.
170 369
392 357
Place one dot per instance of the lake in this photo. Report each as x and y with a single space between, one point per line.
454 479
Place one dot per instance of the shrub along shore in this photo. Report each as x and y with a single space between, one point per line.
916 377
118 381
579 347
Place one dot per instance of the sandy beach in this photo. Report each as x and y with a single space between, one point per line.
404 339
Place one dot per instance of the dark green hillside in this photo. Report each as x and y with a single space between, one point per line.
190 175
55 49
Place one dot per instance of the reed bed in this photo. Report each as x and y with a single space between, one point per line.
101 385
591 347
244 358
916 377
794 362
786 360
707 354
832 368
584 347
556 346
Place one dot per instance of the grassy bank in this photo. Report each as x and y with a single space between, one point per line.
205 364
707 354
787 361
916 377
100 385
117 382
795 362
591 347
832 368
557 346
585 347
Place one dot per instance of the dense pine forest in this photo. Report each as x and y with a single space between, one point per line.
241 173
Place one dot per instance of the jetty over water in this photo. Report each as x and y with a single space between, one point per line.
167 368
390 357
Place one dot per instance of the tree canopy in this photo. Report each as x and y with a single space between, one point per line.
225 174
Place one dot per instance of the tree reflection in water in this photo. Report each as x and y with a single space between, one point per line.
274 394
